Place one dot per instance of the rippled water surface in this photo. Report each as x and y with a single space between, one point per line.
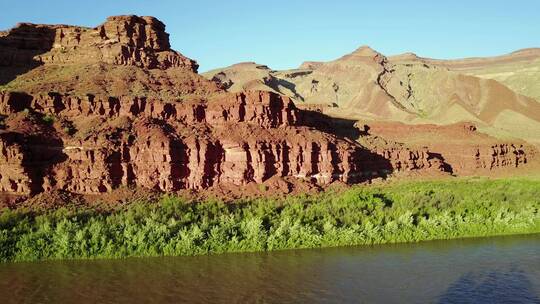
494 270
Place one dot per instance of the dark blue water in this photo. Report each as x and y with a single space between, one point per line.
494 270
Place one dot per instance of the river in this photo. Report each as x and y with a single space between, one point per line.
488 270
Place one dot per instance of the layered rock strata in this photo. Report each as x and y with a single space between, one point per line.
91 110
229 139
462 147
121 40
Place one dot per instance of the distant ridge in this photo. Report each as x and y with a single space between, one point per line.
528 54
365 84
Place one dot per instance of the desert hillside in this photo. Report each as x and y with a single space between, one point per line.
519 70
369 86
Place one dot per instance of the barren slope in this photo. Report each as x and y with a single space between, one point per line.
366 85
519 70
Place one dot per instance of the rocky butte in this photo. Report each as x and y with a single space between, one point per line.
91 110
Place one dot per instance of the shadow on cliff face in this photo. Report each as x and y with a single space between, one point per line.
31 138
276 83
39 155
370 164
44 154
340 127
19 46
445 166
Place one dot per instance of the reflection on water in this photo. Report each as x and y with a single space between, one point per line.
504 270
513 286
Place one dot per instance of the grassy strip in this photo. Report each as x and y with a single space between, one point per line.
406 212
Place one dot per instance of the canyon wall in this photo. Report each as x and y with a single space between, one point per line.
91 110
229 139
233 139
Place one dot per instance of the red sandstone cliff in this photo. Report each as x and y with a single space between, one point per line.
231 139
121 40
464 149
126 110
126 55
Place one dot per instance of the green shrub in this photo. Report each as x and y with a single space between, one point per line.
48 119
406 212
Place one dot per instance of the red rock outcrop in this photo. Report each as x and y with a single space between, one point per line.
461 146
229 139
406 159
259 108
121 40
14 177
125 56
74 135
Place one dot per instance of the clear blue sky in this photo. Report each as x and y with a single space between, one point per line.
282 33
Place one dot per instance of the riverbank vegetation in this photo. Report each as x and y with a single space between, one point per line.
402 212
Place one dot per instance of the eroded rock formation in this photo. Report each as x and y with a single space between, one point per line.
126 55
465 150
91 110
121 40
231 139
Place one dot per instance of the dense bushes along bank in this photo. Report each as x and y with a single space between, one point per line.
406 212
